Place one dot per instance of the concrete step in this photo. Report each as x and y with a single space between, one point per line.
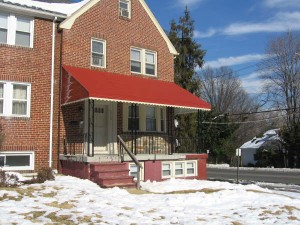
115 180
108 166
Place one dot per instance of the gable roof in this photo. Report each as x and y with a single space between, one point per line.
68 23
255 143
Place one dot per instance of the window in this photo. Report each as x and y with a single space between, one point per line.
150 119
190 168
133 118
98 53
3 28
19 100
1 98
16 30
136 61
124 8
23 32
166 170
15 99
179 169
143 61
17 160
133 170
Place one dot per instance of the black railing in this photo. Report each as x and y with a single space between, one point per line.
75 145
149 143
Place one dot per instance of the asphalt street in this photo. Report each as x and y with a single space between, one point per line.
255 174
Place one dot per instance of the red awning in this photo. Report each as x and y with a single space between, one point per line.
79 84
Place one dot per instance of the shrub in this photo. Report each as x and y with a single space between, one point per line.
8 180
45 174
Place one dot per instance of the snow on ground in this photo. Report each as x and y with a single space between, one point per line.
69 200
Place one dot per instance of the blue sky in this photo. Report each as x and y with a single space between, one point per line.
233 32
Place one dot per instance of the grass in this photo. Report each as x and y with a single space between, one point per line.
64 205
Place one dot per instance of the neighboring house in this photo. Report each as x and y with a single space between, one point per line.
81 81
249 149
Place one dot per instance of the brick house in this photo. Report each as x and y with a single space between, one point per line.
93 92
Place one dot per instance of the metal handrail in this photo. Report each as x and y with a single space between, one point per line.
132 156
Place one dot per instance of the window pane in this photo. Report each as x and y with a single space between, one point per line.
22 38
190 165
124 5
19 108
136 67
166 166
97 59
190 171
3 21
150 69
133 124
167 173
20 92
3 36
1 90
150 58
150 112
18 160
23 24
178 166
132 112
97 47
135 55
2 160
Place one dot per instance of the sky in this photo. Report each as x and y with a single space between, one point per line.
69 200
233 32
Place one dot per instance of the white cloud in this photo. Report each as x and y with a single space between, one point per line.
281 22
231 61
252 83
206 34
282 3
189 3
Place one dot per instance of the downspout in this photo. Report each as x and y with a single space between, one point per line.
52 93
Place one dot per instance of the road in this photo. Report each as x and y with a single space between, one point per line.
261 175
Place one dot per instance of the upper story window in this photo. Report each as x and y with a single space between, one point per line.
15 99
125 8
98 52
143 61
16 30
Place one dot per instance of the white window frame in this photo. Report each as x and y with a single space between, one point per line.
8 98
185 168
16 168
121 10
104 52
12 29
162 169
130 165
143 61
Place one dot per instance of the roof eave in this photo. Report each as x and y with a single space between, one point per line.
31 11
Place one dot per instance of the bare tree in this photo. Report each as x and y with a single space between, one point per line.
281 74
224 91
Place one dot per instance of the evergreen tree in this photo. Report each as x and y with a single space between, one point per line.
189 59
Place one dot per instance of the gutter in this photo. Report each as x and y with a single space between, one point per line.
52 93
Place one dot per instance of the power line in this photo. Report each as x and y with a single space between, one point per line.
265 111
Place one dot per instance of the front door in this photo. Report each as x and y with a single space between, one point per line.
100 129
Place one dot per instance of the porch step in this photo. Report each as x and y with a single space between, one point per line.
114 174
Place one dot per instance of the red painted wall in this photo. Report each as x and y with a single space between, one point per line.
152 170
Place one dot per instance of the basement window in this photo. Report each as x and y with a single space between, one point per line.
17 161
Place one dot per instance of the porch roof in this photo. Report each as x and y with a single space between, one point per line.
81 83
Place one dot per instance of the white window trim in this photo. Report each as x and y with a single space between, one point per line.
143 61
185 174
129 9
142 118
12 28
104 52
141 170
8 98
30 167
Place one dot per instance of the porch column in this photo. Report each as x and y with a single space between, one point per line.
171 129
91 135
133 127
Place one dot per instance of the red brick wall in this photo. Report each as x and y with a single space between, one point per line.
30 65
102 21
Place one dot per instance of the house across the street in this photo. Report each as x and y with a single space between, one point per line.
88 89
